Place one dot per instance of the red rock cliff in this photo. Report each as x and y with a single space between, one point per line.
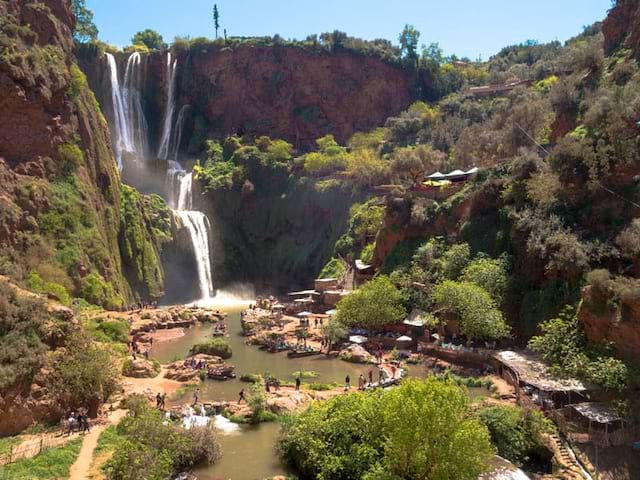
294 93
622 27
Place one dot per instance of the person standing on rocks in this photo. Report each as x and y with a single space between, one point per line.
162 401
361 382
347 383
298 383
241 396
370 377
158 400
196 396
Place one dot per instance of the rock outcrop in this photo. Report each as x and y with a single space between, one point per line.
622 27
603 322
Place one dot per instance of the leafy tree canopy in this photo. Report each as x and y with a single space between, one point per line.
424 429
149 38
374 305
85 29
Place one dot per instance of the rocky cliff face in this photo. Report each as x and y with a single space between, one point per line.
60 190
622 27
283 92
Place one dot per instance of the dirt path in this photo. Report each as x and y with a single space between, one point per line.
80 469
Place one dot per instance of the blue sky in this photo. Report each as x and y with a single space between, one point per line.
464 27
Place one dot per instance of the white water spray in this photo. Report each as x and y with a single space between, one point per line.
198 226
163 150
177 132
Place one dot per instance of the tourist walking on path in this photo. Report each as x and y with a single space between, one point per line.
72 423
196 395
347 383
158 400
162 401
86 428
298 383
361 382
241 396
370 377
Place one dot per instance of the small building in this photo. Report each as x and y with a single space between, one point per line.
324 284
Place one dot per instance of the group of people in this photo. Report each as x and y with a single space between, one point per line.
78 421
161 401
143 305
134 348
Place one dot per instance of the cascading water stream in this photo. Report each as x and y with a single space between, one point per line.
165 140
198 226
177 131
128 114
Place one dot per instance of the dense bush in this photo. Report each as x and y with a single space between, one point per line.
374 305
335 268
217 346
390 434
83 374
563 344
153 449
514 431
23 335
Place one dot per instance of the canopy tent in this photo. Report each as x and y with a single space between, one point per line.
404 339
435 336
472 171
455 173
359 339
304 300
437 176
417 318
278 306
596 412
304 314
332 312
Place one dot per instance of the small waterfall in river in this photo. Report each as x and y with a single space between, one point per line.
167 124
198 226
130 132
177 131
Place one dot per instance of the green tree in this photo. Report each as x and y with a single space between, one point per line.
422 430
514 431
478 314
84 374
216 18
409 39
85 30
374 305
490 274
149 38
334 331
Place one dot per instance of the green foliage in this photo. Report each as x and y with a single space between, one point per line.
152 449
144 226
335 268
84 374
367 253
374 305
514 431
52 463
22 337
149 38
454 260
85 30
334 331
391 434
563 344
110 330
365 220
478 314
490 274
217 346
77 84
329 158
71 158
257 402
251 378
57 291
96 290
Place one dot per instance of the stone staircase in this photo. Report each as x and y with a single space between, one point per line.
567 466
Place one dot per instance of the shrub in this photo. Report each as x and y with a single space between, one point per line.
489 274
251 378
374 305
335 268
218 347
152 449
84 374
22 337
71 158
36 284
369 435
478 314
514 431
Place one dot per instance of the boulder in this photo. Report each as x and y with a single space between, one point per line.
356 354
139 368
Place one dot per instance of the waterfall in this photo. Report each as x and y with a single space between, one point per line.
175 173
177 131
118 109
137 123
184 196
130 123
163 150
